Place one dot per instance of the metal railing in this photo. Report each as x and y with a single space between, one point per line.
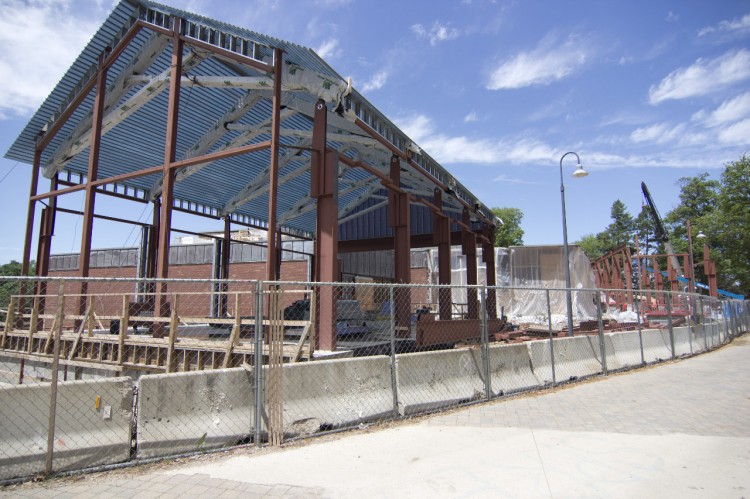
108 372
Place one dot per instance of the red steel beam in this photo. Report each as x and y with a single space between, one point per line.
31 211
324 187
88 87
173 166
442 239
398 152
247 61
93 172
399 219
165 224
273 187
469 248
488 256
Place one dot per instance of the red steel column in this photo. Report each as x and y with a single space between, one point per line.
165 223
31 212
488 257
469 243
324 187
93 172
272 255
442 239
226 253
398 218
709 268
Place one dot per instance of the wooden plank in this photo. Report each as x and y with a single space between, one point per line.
124 319
235 335
173 324
9 320
33 325
301 343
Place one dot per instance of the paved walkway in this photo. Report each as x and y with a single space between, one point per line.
675 430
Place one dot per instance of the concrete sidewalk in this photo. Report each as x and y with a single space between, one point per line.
677 430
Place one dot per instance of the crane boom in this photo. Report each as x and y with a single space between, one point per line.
661 230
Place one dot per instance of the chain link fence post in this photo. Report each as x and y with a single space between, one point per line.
551 342
668 302
691 314
59 318
392 328
705 324
727 312
258 361
602 349
484 338
640 329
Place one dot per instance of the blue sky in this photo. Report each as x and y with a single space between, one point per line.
496 91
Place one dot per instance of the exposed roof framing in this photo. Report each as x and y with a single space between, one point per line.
227 78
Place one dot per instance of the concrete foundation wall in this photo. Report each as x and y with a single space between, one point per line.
184 412
334 393
85 435
431 380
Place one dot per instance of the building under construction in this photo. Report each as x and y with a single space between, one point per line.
271 137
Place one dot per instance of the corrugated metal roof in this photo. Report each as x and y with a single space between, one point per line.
138 141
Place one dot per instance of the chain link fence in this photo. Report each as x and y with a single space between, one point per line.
100 372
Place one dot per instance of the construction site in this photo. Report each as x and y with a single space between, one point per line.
346 262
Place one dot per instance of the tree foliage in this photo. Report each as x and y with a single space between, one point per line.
619 232
720 209
510 234
9 288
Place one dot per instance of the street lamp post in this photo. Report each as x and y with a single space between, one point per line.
578 173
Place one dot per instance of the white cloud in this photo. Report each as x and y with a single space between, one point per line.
437 33
733 25
736 134
377 81
40 39
471 117
729 111
329 49
548 62
461 149
672 17
659 133
702 77
511 180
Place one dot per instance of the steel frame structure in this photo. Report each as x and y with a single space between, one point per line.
345 134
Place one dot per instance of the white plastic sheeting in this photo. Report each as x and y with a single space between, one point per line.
523 273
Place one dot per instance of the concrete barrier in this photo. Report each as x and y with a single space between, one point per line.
431 380
575 357
87 433
627 348
683 341
336 393
510 369
656 345
184 412
698 333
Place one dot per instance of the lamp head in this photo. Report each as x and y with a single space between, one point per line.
701 235
580 172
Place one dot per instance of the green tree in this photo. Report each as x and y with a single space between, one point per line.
733 229
620 231
511 233
9 288
645 229
593 245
